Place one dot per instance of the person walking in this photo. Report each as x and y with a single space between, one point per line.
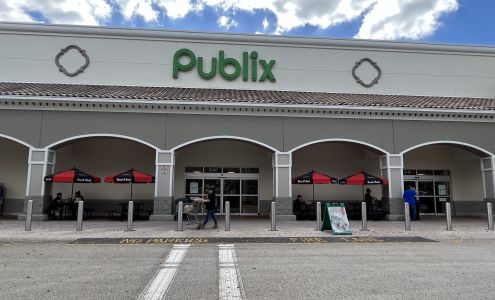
410 197
210 202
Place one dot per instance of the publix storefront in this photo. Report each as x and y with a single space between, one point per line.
242 114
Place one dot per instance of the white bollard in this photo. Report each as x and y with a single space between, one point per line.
80 210
318 216
180 212
364 216
274 217
130 216
29 215
449 216
490 215
227 215
407 217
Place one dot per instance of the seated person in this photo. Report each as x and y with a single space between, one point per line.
73 206
299 207
56 205
78 197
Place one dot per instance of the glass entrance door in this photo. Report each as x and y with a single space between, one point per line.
232 193
433 189
241 190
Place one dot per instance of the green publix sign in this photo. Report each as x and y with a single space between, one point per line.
248 69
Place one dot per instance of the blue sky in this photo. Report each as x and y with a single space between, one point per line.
433 21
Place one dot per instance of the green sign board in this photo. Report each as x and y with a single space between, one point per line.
247 68
335 219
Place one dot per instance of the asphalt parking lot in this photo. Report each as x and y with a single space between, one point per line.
449 269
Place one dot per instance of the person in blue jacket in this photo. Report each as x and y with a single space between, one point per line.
410 197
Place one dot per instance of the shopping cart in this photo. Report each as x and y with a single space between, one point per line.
193 209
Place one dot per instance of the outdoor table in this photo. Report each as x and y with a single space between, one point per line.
123 210
124 206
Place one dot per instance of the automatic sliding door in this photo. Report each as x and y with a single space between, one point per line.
249 199
232 193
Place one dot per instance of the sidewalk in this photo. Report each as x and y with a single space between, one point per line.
48 231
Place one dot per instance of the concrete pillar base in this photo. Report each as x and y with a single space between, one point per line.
286 218
394 217
161 217
22 217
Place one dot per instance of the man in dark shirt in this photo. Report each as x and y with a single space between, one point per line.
210 208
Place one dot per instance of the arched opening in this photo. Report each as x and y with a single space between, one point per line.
13 176
239 171
337 158
445 172
105 156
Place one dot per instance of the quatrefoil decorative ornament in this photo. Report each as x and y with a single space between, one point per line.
62 52
374 65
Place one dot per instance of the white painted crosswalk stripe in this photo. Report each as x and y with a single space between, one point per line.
159 284
230 283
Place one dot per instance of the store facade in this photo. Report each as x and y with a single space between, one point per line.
243 114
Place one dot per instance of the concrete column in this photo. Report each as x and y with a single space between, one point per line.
282 185
392 168
164 186
41 162
488 177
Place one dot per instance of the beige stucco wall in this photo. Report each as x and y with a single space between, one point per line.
144 58
337 160
13 168
226 154
466 177
102 157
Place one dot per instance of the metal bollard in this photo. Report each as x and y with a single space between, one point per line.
407 217
318 216
274 218
490 216
29 215
364 216
227 215
80 209
130 216
449 216
180 212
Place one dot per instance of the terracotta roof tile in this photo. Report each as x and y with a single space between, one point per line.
242 96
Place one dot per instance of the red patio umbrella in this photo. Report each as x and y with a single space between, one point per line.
73 175
313 178
362 178
130 176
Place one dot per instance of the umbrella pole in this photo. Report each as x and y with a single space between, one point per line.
72 191
131 191
313 192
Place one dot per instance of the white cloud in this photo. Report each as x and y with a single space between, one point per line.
176 9
89 12
412 19
142 8
265 24
380 19
227 22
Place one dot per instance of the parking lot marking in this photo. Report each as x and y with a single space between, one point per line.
157 288
230 283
